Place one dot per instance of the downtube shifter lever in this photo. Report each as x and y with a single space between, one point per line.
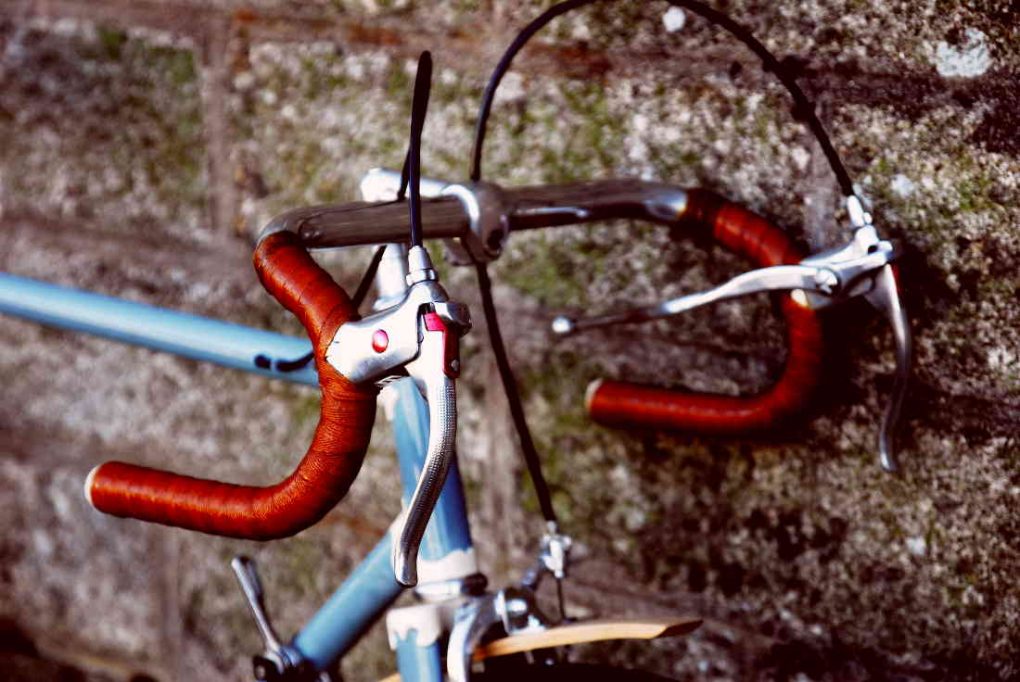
278 662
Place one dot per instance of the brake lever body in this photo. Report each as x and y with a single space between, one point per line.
823 279
417 337
885 297
867 264
434 372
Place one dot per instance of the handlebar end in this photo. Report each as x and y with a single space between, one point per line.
89 481
589 393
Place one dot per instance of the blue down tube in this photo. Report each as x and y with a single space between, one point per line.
352 609
191 336
419 663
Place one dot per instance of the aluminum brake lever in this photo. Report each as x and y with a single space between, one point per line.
825 278
886 298
434 372
419 336
777 278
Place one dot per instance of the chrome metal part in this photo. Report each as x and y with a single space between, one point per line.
529 208
378 347
357 351
825 278
419 266
469 586
434 372
356 223
855 211
519 611
553 558
778 278
482 202
885 297
276 654
555 553
447 211
857 264
442 399
882 292
391 278
470 623
513 608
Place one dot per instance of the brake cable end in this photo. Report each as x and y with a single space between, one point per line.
419 266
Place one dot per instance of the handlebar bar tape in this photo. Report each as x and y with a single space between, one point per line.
324 474
742 232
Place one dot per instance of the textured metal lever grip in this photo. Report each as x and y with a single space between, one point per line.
629 404
441 394
886 298
328 468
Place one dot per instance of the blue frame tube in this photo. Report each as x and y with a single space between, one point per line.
419 663
190 336
352 609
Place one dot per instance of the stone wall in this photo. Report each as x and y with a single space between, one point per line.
139 141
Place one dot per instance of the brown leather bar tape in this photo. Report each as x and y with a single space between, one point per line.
629 404
324 474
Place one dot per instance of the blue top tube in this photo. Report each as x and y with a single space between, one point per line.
191 336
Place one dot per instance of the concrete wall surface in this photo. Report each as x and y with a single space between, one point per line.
140 141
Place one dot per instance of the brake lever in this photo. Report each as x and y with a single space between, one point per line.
776 278
886 298
434 372
419 336
861 267
879 287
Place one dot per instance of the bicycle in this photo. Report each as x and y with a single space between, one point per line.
409 349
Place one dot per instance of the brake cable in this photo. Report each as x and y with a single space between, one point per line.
803 111
411 173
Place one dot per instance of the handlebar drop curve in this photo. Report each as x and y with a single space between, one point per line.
329 466
621 403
